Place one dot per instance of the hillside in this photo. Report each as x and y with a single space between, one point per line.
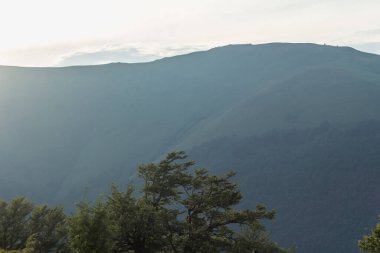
299 122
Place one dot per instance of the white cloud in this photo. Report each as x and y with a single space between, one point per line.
118 53
92 52
103 56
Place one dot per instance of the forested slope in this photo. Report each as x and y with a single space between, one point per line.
299 122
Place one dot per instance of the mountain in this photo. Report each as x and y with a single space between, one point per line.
300 123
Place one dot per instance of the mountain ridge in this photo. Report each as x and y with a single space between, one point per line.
271 44
70 131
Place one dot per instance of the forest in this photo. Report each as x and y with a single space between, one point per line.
178 209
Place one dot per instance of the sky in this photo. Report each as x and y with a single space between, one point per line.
80 32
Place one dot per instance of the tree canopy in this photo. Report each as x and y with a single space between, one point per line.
179 209
183 209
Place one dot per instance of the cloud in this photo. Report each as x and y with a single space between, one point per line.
103 56
117 53
91 53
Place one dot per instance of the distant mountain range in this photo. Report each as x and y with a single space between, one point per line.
300 123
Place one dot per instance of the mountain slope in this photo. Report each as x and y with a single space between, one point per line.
278 113
323 181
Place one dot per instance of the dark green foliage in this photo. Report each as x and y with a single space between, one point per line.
254 236
371 243
209 209
196 209
37 229
179 210
136 224
89 230
48 229
163 181
14 227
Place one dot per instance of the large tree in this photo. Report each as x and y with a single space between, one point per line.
181 210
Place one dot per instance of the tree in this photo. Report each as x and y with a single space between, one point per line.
181 209
254 237
209 207
89 230
48 229
136 224
141 224
14 223
371 243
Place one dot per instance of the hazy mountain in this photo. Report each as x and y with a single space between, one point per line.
299 122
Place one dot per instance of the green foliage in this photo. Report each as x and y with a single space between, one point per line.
14 229
371 243
48 230
181 210
163 180
136 224
89 229
209 203
254 236
32 229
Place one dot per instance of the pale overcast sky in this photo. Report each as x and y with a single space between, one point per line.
72 32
